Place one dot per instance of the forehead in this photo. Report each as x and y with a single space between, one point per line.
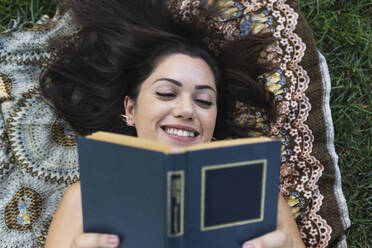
185 69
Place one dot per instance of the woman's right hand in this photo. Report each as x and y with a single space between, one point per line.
95 240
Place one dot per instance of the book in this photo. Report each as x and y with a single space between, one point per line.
216 194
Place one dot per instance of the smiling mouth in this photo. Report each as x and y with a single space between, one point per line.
179 132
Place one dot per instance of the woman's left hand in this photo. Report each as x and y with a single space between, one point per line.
285 236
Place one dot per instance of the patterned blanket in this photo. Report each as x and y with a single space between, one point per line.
38 157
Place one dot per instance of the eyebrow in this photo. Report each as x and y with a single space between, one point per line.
179 84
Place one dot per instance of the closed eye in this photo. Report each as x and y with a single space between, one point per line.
165 95
203 102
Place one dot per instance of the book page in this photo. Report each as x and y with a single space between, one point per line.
122 139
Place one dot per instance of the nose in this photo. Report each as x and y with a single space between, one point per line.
184 108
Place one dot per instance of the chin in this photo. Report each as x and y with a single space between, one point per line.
180 144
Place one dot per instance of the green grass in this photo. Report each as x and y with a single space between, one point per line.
343 32
24 10
344 35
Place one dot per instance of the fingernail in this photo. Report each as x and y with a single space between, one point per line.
248 245
112 239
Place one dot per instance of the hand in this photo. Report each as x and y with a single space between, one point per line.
95 240
285 236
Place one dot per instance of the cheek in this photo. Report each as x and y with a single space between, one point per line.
209 122
151 112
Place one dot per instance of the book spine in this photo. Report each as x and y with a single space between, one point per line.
175 222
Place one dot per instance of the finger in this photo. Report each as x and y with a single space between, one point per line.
93 240
274 239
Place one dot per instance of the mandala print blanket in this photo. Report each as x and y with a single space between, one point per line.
38 158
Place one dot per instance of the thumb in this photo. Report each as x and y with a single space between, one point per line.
90 240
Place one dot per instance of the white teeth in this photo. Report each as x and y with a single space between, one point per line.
179 132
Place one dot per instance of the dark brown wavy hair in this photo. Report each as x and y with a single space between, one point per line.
118 45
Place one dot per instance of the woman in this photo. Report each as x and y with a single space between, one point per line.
170 84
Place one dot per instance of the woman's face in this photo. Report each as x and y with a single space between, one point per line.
177 103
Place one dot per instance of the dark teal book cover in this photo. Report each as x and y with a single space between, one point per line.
214 197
